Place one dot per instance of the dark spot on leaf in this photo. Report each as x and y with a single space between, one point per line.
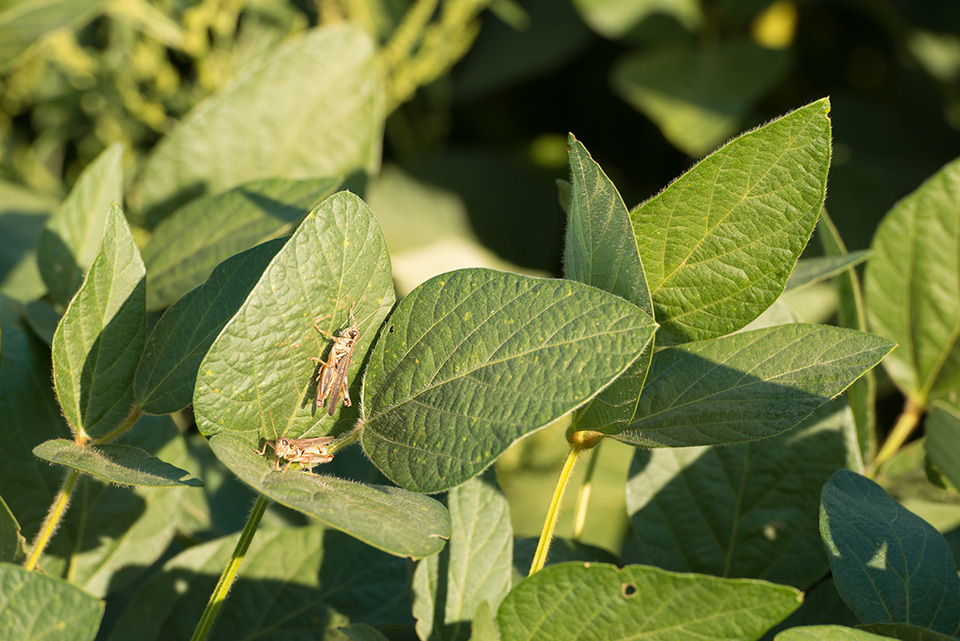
628 590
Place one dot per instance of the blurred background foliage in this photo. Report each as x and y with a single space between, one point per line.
476 131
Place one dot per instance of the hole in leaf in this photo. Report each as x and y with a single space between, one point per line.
628 590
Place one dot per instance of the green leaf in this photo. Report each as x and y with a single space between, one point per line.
363 632
295 583
746 511
601 250
698 96
71 237
34 607
615 18
862 395
111 535
312 107
748 386
905 632
12 544
475 359
186 246
23 23
822 605
121 464
23 214
943 440
719 243
28 483
167 373
388 518
100 339
889 565
810 271
913 286
474 568
639 601
826 633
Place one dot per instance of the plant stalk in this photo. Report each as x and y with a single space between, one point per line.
553 513
583 498
904 427
49 526
229 575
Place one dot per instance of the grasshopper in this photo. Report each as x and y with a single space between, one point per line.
332 383
305 451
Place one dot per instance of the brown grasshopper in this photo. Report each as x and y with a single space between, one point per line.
332 383
305 451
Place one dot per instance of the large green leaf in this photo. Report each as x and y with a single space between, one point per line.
71 237
23 22
889 564
719 243
943 440
575 601
601 250
474 567
913 286
312 107
294 583
698 96
748 386
167 373
120 464
746 511
34 607
186 247
100 338
473 360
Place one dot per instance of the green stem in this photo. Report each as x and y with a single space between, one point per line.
50 523
907 422
553 513
127 423
583 497
230 571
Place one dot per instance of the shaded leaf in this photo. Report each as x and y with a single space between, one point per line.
822 605
71 237
912 286
363 632
167 373
388 518
905 632
826 633
23 214
34 606
187 246
312 107
810 271
601 250
745 511
473 360
698 96
121 464
475 566
100 338
719 243
889 565
615 18
943 440
748 386
12 544
640 601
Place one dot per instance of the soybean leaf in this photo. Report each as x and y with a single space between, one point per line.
28 483
43 319
23 23
719 243
120 464
35 606
313 107
12 544
71 237
473 360
23 214
827 633
99 341
821 605
862 395
388 518
913 286
111 535
167 373
905 632
889 565
640 601
614 18
363 632
697 97
473 568
301 582
943 440
745 511
748 386
601 250
186 246
810 271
